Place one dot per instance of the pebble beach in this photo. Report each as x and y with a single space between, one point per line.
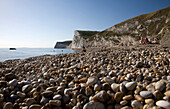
108 78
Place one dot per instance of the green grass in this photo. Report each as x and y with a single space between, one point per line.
152 27
69 41
87 34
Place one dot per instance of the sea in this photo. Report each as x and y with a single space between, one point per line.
23 53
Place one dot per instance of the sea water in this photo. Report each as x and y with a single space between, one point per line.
22 53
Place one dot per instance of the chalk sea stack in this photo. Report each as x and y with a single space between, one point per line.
62 44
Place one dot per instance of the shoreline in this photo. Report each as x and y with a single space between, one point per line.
23 53
119 77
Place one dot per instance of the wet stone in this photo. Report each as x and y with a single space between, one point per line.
131 85
115 87
47 93
128 97
108 80
139 98
163 103
97 87
123 103
10 76
150 88
118 96
1 97
136 104
139 64
67 91
101 96
157 95
123 88
160 85
126 107
35 106
30 101
93 105
8 105
27 88
44 100
57 97
88 91
20 94
167 98
55 102
13 82
105 86
167 93
3 83
53 89
149 101
83 80
117 106
91 81
168 86
146 94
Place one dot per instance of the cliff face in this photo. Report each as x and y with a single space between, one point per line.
151 25
78 40
80 37
62 44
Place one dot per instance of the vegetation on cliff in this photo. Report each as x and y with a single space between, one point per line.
151 25
87 34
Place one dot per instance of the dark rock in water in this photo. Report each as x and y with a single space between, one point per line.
62 44
12 48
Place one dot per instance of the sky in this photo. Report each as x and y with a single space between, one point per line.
41 23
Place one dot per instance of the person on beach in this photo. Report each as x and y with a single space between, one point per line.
141 41
155 41
84 49
146 41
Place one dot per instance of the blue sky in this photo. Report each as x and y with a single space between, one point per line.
41 23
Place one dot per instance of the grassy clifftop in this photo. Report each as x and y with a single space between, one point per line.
154 24
151 25
87 34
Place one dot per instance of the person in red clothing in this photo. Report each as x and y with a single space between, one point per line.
146 40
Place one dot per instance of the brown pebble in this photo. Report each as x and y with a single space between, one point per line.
157 95
118 96
128 97
149 101
83 80
139 98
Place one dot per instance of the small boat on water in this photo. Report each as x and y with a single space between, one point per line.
12 48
